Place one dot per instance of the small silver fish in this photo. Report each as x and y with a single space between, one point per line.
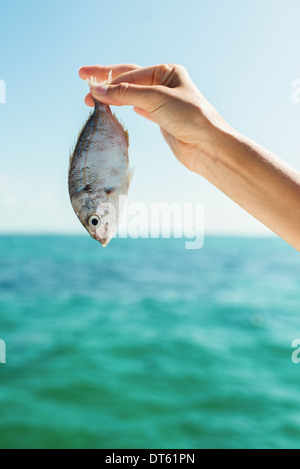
99 174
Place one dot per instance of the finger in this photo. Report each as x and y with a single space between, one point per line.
144 113
165 74
89 101
146 97
101 72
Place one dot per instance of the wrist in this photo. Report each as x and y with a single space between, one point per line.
216 147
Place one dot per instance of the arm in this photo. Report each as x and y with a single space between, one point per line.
258 181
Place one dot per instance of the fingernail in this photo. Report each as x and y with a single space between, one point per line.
101 90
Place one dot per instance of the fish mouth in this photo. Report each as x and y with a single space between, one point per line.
103 241
103 234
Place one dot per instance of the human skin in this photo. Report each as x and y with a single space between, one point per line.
257 180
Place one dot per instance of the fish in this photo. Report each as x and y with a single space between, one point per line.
99 172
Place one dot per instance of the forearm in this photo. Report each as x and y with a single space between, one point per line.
258 181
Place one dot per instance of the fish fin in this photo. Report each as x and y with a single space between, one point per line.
71 154
127 136
92 81
121 123
73 147
131 172
109 79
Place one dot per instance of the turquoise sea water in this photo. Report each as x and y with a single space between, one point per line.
147 345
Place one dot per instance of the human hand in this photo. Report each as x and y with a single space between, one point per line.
166 95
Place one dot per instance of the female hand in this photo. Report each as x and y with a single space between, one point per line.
166 95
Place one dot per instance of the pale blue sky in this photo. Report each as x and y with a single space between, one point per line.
243 55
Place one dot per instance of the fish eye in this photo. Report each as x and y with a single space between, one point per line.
94 221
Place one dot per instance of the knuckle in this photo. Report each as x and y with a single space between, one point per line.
122 89
166 68
163 73
181 68
170 74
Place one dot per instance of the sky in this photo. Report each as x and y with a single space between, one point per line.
242 55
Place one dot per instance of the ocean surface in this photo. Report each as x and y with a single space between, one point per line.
147 345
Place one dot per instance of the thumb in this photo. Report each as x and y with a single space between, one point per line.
145 97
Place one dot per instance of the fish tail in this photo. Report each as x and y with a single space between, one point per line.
92 81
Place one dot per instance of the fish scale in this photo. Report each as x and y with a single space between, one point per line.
99 173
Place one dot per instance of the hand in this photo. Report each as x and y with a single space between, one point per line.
166 95
260 182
